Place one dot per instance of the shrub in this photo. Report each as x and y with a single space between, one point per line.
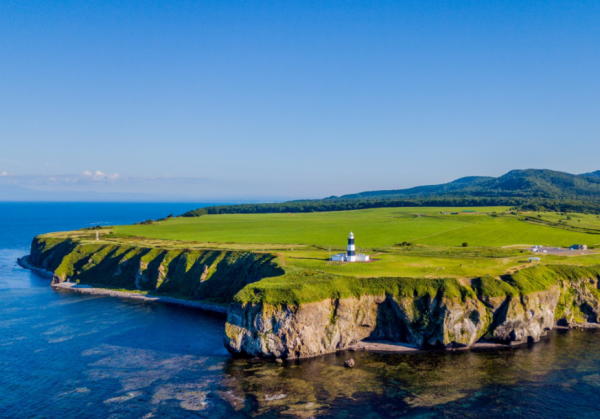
404 244
145 223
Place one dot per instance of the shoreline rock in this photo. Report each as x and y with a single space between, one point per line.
86 289
24 263
409 324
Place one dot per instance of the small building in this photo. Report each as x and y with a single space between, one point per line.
579 247
534 260
350 255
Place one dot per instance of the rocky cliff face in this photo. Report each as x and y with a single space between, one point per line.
579 302
211 275
525 317
317 328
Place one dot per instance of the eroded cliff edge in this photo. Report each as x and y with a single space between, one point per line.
292 313
213 276
263 320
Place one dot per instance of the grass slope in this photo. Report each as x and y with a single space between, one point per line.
299 287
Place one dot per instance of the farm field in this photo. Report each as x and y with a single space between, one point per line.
373 228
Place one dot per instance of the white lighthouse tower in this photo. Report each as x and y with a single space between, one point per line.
351 254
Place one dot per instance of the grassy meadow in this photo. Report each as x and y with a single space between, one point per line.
303 241
591 221
372 228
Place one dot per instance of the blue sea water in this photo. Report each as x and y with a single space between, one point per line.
65 355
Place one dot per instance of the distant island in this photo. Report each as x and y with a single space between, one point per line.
435 276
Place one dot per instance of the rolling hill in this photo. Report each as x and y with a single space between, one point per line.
531 189
516 183
592 174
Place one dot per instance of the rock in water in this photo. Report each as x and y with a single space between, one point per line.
349 363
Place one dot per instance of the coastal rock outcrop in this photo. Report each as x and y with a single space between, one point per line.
331 325
310 329
579 302
204 274
525 317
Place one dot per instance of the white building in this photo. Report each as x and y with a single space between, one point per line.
350 255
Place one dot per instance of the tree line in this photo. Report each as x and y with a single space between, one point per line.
326 205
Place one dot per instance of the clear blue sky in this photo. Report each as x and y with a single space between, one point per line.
255 99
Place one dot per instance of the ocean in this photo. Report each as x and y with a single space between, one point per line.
67 355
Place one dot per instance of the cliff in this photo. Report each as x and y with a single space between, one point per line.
424 313
298 313
208 275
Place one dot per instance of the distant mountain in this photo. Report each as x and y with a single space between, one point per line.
531 189
530 183
429 190
592 174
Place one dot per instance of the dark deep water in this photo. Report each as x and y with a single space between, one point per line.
65 355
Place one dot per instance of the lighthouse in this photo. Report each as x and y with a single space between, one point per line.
351 255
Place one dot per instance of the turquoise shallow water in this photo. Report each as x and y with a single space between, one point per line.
64 355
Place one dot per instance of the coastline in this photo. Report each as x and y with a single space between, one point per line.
86 289
367 346
24 263
393 347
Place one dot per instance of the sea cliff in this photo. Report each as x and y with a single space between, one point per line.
278 312
208 275
425 313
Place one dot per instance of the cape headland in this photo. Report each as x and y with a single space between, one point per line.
437 278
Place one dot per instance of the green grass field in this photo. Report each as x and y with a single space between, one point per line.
496 239
372 228
591 221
